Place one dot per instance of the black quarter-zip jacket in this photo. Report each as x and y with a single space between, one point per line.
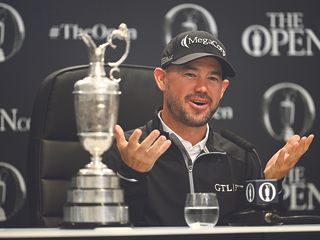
157 197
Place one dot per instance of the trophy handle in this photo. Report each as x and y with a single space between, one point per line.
96 54
121 33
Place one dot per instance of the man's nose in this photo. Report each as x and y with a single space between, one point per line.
201 85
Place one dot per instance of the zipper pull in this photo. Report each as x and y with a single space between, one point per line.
190 168
190 165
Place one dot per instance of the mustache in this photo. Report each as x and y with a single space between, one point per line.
198 95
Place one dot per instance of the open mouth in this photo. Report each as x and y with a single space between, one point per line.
199 103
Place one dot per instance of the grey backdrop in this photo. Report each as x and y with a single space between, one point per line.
268 42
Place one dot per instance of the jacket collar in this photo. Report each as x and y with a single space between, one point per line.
213 143
155 122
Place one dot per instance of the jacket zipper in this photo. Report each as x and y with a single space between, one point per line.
190 169
191 164
188 160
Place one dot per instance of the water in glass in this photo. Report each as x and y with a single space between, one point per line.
201 210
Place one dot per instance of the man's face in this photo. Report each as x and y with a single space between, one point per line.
192 91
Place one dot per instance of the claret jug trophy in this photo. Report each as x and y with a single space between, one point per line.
94 197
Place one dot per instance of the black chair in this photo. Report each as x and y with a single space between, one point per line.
55 153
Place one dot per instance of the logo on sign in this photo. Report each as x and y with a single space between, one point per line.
285 35
292 102
11 120
250 192
301 194
267 192
71 31
188 17
12 32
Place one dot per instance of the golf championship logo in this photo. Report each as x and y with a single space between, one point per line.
188 17
289 108
12 32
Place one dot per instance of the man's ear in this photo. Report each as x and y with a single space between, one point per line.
225 84
159 76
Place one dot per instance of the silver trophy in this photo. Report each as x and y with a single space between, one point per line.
94 197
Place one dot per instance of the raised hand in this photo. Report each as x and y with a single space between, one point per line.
287 157
141 156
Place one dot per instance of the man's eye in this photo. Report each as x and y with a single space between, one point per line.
190 75
213 78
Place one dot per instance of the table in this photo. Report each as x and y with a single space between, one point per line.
225 232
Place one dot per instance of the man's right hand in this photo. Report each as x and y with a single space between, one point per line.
141 156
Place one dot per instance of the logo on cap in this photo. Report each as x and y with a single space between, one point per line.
187 41
164 60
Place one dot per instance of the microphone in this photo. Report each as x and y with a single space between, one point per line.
241 142
262 198
262 195
259 192
228 134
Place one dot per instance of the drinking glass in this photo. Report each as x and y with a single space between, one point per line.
201 210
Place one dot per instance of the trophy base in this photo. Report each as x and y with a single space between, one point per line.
68 225
94 215
95 200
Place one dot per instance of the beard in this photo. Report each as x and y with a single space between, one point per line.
190 119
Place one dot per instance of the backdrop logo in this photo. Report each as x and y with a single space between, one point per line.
223 113
71 31
11 32
286 34
299 194
295 110
188 17
10 120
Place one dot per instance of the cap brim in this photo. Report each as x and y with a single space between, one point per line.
226 66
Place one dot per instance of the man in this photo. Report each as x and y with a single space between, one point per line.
178 152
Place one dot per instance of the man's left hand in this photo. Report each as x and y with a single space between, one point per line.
287 157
